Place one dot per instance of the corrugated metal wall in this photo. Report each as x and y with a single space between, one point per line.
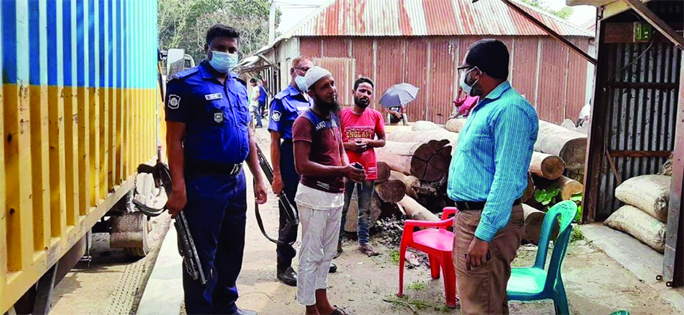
641 102
79 96
635 106
550 76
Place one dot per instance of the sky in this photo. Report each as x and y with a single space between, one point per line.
292 16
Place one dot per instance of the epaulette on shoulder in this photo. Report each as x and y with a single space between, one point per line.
184 74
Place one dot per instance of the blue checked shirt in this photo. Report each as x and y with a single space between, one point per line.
493 156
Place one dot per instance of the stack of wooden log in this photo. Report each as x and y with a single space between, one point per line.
418 159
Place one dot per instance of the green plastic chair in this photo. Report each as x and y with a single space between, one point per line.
535 283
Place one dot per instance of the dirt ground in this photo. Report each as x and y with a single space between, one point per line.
595 283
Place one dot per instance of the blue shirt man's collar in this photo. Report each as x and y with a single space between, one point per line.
292 90
498 91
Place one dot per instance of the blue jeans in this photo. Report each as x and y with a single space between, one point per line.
365 193
216 215
256 114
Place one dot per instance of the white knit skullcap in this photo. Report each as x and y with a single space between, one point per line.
314 74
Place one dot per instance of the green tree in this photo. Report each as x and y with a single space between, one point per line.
183 23
563 13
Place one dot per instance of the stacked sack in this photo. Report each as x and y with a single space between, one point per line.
644 214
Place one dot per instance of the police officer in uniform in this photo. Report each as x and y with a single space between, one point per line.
285 108
208 140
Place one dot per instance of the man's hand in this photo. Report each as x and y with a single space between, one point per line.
260 192
176 202
355 174
478 253
361 145
277 184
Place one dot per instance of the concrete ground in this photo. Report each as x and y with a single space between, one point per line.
595 283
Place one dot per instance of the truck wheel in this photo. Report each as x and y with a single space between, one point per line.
129 232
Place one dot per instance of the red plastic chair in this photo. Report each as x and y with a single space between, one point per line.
438 243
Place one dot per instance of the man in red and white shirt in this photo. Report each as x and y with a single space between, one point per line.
360 125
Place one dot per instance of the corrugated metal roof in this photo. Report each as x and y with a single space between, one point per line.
427 18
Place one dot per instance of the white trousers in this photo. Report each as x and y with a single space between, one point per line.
320 233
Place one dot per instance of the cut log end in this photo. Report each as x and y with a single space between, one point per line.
391 190
546 165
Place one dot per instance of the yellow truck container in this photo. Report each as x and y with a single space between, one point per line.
79 99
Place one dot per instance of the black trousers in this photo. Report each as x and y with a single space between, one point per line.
290 178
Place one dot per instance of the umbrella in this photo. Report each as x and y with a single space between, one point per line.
399 94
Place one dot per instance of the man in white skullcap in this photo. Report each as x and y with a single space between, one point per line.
321 161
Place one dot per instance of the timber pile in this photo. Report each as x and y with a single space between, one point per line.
569 145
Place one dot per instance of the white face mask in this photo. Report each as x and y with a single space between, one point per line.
223 61
301 83
467 88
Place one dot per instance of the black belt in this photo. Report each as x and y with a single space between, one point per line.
476 205
218 169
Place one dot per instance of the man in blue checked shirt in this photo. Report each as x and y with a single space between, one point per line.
487 177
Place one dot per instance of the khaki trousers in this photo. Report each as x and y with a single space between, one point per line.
482 290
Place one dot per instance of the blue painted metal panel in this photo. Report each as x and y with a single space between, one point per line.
34 42
84 43
9 42
92 44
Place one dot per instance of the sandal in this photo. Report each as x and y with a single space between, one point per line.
339 311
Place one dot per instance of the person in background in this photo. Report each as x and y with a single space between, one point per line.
208 140
360 125
321 161
263 97
463 105
585 115
254 102
396 114
487 177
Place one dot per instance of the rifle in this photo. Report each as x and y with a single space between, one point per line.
292 216
186 245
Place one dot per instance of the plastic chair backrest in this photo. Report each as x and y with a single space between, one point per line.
567 211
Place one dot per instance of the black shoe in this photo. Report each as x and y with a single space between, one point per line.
288 276
244 312
333 268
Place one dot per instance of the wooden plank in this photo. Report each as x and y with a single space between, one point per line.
595 144
94 145
39 165
56 129
82 97
629 153
3 212
71 154
643 85
57 161
673 262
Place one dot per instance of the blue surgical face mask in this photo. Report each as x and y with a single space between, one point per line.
301 83
223 61
467 88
